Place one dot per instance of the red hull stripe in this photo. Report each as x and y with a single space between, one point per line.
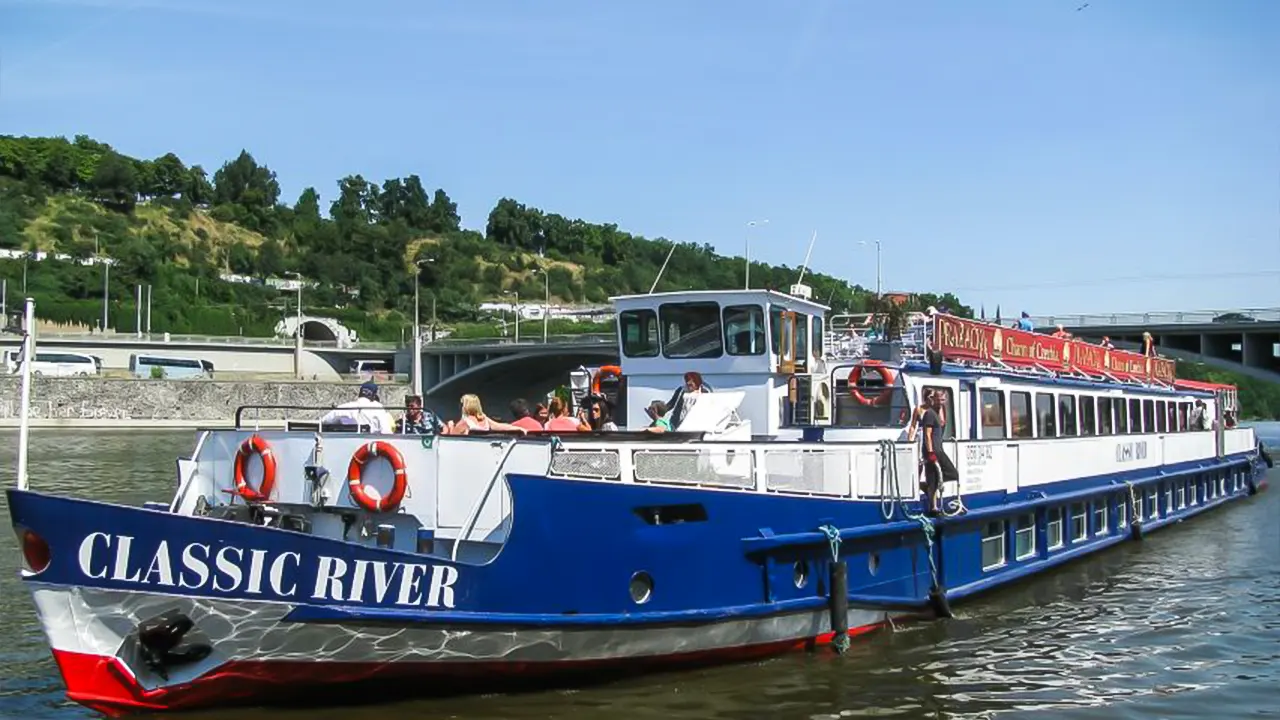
103 684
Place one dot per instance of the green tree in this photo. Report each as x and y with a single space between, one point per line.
115 183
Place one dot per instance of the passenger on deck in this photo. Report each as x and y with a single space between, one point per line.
1024 322
541 414
1200 416
1148 345
560 420
684 397
597 416
1061 333
926 404
938 468
1106 343
521 417
417 420
658 424
366 409
473 418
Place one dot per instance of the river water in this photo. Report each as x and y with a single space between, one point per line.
1183 625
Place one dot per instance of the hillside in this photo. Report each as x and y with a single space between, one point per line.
173 227
1258 400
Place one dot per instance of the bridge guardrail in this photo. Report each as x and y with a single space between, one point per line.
578 339
287 342
1239 316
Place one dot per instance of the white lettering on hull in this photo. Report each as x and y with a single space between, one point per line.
261 572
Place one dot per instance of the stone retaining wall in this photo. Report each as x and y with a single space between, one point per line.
111 399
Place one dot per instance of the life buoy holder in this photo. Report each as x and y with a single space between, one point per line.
878 399
609 370
355 477
255 445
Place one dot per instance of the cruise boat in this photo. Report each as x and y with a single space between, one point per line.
782 513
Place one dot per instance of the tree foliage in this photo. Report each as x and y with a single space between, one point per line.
359 245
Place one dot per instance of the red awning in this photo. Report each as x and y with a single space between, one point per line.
1206 386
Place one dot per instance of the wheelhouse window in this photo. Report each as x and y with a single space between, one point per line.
1122 416
1148 416
1079 523
1046 417
1020 414
744 330
802 340
1106 421
992 414
993 545
818 335
691 330
779 333
1088 415
639 331
1024 537
1053 528
1067 415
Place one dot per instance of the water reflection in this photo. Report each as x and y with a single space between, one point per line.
1181 625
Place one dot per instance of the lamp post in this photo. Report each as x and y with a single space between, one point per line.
877 242
746 285
417 326
297 330
546 303
516 293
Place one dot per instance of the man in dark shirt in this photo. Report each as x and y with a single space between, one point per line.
418 420
938 468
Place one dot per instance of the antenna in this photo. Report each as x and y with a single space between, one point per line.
663 268
807 253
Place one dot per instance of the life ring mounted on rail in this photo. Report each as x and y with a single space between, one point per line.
612 371
874 397
360 492
255 445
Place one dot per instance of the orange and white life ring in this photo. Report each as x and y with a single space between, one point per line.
605 370
360 493
252 445
877 399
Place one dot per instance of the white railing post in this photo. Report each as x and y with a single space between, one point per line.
24 423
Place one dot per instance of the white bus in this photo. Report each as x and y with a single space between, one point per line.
56 364
169 367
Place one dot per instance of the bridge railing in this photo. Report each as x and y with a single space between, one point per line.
1191 317
532 342
241 340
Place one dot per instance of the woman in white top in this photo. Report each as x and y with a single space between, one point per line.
473 418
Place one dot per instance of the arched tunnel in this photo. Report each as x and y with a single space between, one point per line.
318 331
501 379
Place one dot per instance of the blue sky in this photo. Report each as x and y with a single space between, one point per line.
1017 152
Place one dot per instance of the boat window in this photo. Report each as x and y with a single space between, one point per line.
1135 416
1162 417
744 330
1122 415
876 400
1020 414
691 330
1053 528
776 328
1088 415
818 336
1046 416
1024 537
992 414
1172 413
1067 415
948 417
1183 410
802 340
1099 517
993 541
1149 416
1106 421
1079 522
639 330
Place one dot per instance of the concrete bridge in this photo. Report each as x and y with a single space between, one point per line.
1243 340
461 366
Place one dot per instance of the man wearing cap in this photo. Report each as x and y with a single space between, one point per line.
366 409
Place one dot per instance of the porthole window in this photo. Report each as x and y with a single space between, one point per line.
641 588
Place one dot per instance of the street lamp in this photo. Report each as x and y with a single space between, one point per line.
877 242
417 326
516 293
297 330
546 306
753 223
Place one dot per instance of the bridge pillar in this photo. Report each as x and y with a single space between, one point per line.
1188 343
1258 350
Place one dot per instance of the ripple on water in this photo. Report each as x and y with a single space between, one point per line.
1184 624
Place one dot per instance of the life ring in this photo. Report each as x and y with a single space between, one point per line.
252 445
610 370
880 399
355 481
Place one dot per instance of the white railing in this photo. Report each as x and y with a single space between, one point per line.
1192 317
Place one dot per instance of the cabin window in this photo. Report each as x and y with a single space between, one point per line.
1183 412
1024 537
992 414
1046 419
691 330
1122 415
1172 414
802 340
1135 416
1079 523
1182 495
777 330
1149 416
744 330
1162 417
1168 498
1099 517
1106 422
1153 504
1054 528
818 336
1122 510
1020 414
639 330
993 545
1088 415
1067 415
948 416
881 405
